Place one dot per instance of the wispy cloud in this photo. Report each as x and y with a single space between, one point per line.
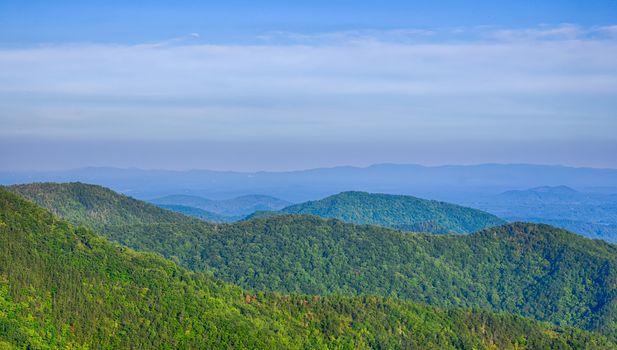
480 33
562 32
546 82
347 36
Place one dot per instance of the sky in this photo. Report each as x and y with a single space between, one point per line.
276 85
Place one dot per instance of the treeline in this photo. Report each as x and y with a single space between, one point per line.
532 270
65 287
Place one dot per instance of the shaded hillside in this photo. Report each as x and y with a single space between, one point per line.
64 287
233 208
533 270
401 212
94 206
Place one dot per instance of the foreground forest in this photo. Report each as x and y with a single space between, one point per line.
63 286
532 270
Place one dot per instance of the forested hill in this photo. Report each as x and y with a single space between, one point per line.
65 287
528 269
93 205
401 212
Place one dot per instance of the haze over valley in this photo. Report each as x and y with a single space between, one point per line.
308 175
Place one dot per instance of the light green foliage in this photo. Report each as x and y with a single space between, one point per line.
65 287
532 270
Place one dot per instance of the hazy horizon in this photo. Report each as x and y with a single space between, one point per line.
285 86
299 169
17 155
320 174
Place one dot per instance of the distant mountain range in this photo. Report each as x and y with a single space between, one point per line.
400 212
527 269
200 213
591 214
449 183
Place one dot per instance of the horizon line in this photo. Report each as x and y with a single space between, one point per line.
93 167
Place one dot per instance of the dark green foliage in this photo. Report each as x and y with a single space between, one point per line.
264 214
401 212
64 287
533 270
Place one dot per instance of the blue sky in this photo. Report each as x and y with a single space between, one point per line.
287 85
36 21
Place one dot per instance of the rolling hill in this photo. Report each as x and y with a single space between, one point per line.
400 212
528 269
235 207
94 206
65 287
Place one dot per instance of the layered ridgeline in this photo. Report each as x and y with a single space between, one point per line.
592 215
528 269
232 209
65 287
400 212
200 213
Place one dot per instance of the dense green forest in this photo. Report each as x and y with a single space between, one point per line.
528 269
65 287
94 205
400 212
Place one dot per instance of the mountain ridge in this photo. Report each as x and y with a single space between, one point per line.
232 207
65 287
397 211
532 270
441 182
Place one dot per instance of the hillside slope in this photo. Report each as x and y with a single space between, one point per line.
64 287
94 206
401 212
528 269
